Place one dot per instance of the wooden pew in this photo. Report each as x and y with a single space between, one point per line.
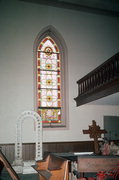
5 163
1 166
52 168
97 163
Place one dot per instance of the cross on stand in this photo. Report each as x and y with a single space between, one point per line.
95 133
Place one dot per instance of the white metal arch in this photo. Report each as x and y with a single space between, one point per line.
18 144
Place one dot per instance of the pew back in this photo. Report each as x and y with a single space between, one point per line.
52 168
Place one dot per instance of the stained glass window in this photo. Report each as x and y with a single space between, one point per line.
49 81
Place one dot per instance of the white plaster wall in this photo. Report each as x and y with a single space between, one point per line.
90 40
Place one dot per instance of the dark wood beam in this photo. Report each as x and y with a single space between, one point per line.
76 6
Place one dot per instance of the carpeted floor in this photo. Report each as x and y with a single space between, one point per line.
6 176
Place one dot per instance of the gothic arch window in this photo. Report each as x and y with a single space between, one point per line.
51 78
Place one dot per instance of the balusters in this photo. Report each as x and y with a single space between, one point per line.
102 75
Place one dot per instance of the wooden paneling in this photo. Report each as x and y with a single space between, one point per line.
68 146
28 151
29 148
8 150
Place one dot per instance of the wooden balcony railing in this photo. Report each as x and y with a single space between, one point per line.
101 82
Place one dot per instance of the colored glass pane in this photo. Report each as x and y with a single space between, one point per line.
49 62
50 115
49 81
49 98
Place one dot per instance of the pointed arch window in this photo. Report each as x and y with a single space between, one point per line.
50 84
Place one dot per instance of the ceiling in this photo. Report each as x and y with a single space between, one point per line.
108 7
108 100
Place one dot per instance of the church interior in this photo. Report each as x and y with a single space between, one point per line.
89 34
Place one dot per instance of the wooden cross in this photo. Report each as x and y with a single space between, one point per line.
95 133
